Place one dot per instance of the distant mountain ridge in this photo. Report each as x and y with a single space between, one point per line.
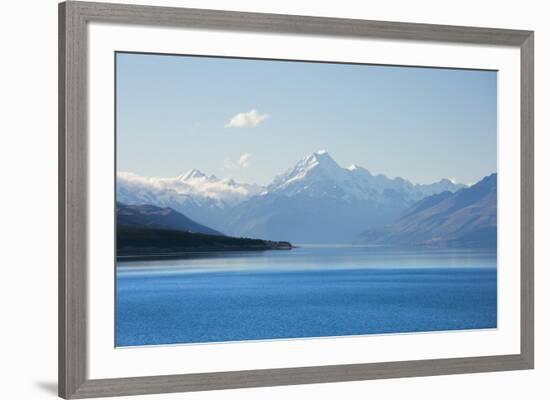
149 232
193 184
202 197
467 218
153 217
316 201
319 175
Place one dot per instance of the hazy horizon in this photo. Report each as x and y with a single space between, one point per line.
182 173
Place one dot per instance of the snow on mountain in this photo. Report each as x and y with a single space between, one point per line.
308 173
202 197
315 201
316 175
195 174
194 184
319 175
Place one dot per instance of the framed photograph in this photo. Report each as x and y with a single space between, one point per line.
252 200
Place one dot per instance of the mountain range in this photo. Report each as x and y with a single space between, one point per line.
202 197
315 201
153 217
467 218
150 232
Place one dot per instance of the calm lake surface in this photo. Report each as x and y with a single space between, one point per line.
310 291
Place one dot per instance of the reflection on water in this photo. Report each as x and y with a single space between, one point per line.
316 257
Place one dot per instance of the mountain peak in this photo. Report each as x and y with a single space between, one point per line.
488 181
195 174
317 162
320 157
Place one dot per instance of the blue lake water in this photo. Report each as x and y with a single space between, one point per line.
311 291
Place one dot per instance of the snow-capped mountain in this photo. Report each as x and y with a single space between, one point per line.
319 175
317 200
194 183
204 198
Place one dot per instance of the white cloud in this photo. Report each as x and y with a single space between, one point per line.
166 191
250 119
244 160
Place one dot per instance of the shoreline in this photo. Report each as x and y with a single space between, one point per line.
186 253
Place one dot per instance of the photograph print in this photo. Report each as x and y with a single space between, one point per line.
265 199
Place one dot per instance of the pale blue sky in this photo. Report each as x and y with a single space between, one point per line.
422 124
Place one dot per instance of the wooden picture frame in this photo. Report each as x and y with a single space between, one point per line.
73 172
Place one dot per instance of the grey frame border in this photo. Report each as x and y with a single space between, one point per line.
73 172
